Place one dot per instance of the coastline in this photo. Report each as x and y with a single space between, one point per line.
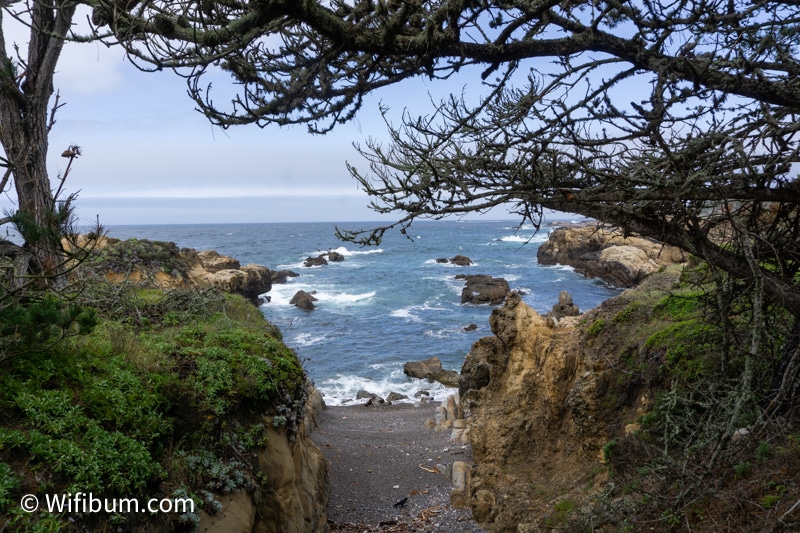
379 456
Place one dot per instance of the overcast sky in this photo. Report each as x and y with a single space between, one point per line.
149 157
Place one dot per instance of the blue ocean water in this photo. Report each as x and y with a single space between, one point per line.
387 305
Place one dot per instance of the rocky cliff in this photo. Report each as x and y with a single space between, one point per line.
294 497
620 260
543 400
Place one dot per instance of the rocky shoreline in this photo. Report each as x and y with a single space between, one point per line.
526 393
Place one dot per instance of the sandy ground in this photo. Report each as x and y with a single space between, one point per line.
383 470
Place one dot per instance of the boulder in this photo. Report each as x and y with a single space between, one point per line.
315 261
442 260
431 369
334 256
395 396
564 307
471 327
607 254
483 289
372 398
281 276
303 300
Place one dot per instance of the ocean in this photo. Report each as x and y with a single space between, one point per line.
384 306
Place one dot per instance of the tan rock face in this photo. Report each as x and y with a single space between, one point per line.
607 254
296 494
294 498
539 423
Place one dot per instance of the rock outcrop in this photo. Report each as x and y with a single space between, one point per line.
483 289
163 265
541 408
431 369
295 495
607 254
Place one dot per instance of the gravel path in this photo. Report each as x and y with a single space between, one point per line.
382 470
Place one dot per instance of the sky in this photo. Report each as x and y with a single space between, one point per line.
150 158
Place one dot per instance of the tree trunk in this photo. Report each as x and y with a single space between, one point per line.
25 92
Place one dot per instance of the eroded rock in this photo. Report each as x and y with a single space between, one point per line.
607 254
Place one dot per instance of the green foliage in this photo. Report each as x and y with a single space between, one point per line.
596 327
34 323
135 408
8 484
741 470
689 347
216 474
680 306
561 512
231 365
764 451
626 315
68 440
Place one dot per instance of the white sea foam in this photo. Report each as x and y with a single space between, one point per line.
411 313
306 339
566 268
344 251
342 389
539 237
405 313
343 298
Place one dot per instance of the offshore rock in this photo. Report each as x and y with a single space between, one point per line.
564 307
282 276
607 254
303 300
315 261
483 289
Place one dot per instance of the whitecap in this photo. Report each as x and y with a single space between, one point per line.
306 339
406 314
539 237
343 298
344 251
